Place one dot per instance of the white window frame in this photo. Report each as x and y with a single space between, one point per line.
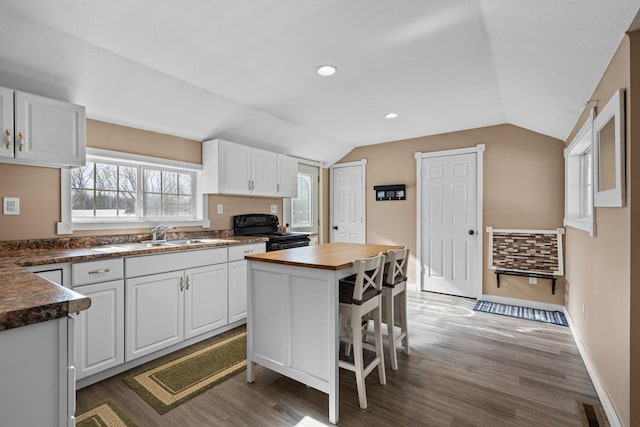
576 214
288 204
68 224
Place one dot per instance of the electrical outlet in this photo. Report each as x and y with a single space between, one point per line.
582 311
220 210
11 206
533 280
274 209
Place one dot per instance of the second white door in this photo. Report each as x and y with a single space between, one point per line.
347 207
448 222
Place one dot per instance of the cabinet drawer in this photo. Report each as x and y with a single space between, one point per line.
237 253
151 264
84 273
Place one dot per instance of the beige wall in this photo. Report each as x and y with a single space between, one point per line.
39 188
598 268
39 193
523 188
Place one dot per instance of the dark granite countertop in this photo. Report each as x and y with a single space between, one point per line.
26 298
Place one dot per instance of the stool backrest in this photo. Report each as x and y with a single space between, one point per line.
398 261
369 273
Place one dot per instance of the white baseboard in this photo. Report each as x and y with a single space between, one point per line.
609 410
523 303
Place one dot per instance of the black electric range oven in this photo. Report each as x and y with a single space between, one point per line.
266 225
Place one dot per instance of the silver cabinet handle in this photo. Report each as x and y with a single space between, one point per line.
187 282
248 251
181 284
21 136
278 188
100 270
8 142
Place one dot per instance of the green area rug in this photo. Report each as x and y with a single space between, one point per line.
175 382
105 414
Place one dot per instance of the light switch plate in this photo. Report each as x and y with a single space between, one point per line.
274 209
220 209
11 206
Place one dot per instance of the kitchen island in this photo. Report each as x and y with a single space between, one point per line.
292 318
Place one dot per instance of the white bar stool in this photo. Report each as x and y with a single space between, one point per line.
394 295
360 294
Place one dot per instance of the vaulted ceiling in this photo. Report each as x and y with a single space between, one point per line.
244 70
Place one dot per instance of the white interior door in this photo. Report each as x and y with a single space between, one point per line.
448 218
347 203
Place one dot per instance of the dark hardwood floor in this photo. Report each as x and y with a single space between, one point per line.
465 369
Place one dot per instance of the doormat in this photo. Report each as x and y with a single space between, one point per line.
105 414
553 317
173 383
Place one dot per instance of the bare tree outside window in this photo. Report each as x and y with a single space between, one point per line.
110 190
302 205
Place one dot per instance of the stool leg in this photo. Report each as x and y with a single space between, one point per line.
391 320
347 344
377 325
356 339
404 322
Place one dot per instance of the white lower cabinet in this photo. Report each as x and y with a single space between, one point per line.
237 291
143 304
164 309
38 375
205 302
100 329
238 279
154 313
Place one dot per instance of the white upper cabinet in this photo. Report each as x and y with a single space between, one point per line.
41 131
230 168
287 176
264 173
6 122
233 167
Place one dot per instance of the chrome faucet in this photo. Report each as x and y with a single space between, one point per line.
161 231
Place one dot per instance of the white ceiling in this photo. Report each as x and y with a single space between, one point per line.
244 70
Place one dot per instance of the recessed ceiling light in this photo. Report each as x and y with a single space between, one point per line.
326 70
391 115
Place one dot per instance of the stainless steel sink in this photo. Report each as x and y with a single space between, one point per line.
198 241
145 244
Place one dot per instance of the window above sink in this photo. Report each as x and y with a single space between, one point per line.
117 190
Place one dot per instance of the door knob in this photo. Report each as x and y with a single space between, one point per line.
471 232
335 227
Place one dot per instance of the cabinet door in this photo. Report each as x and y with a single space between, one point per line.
100 329
287 176
53 132
235 168
6 122
237 291
154 313
34 363
206 299
264 173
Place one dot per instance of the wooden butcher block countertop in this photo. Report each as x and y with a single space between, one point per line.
330 256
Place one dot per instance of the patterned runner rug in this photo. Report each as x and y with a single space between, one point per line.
553 317
175 382
103 415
